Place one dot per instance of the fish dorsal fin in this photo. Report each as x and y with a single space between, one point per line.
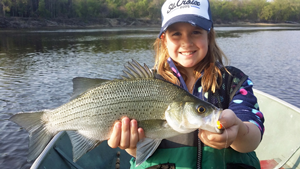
145 148
81 144
83 84
133 70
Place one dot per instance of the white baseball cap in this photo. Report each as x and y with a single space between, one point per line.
195 12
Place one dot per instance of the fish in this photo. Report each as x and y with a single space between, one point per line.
161 108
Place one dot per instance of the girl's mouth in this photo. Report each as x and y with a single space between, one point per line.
187 53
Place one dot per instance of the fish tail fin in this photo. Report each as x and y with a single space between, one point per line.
39 136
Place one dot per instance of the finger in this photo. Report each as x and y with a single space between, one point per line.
125 133
216 145
115 136
213 140
210 136
227 119
141 133
134 137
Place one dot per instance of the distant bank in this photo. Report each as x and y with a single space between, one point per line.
31 23
36 23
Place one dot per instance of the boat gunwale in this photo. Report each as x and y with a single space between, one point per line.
296 109
47 149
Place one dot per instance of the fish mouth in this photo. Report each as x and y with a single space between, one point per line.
217 113
210 121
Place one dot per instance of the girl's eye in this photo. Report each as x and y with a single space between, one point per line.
196 32
176 34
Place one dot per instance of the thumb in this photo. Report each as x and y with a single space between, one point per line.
227 119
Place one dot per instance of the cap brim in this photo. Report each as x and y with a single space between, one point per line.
188 18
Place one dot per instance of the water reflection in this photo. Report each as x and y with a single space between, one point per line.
22 42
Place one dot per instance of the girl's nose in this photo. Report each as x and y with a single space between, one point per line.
186 41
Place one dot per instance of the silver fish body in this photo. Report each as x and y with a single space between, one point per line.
161 108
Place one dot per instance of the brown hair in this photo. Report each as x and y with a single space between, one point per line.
212 74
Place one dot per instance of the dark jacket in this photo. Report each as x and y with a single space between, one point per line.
188 152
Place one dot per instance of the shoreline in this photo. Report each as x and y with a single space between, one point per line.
259 24
76 23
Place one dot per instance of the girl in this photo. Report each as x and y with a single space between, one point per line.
187 55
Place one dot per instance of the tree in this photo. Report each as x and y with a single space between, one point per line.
222 10
266 13
19 8
257 7
154 9
131 9
5 6
282 10
43 12
295 10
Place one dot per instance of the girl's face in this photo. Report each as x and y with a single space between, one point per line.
186 44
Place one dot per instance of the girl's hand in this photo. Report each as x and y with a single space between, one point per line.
241 136
230 123
126 135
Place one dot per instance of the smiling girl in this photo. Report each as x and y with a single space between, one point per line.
187 55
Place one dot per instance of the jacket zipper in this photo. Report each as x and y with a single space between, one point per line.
199 155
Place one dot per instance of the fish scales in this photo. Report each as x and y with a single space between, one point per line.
137 100
161 108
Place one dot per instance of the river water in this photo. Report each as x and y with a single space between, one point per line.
37 68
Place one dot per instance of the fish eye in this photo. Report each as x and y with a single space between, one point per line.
201 109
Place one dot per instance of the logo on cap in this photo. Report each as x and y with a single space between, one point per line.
183 4
195 12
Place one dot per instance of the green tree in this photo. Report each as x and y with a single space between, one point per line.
154 9
19 8
295 10
114 8
222 10
215 6
5 6
131 9
34 5
266 13
226 10
142 8
43 12
282 10
257 7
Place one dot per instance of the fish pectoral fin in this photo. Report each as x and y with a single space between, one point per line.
81 144
83 84
145 148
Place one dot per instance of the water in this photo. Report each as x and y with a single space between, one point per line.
37 68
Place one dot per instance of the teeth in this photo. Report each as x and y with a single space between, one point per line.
187 53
